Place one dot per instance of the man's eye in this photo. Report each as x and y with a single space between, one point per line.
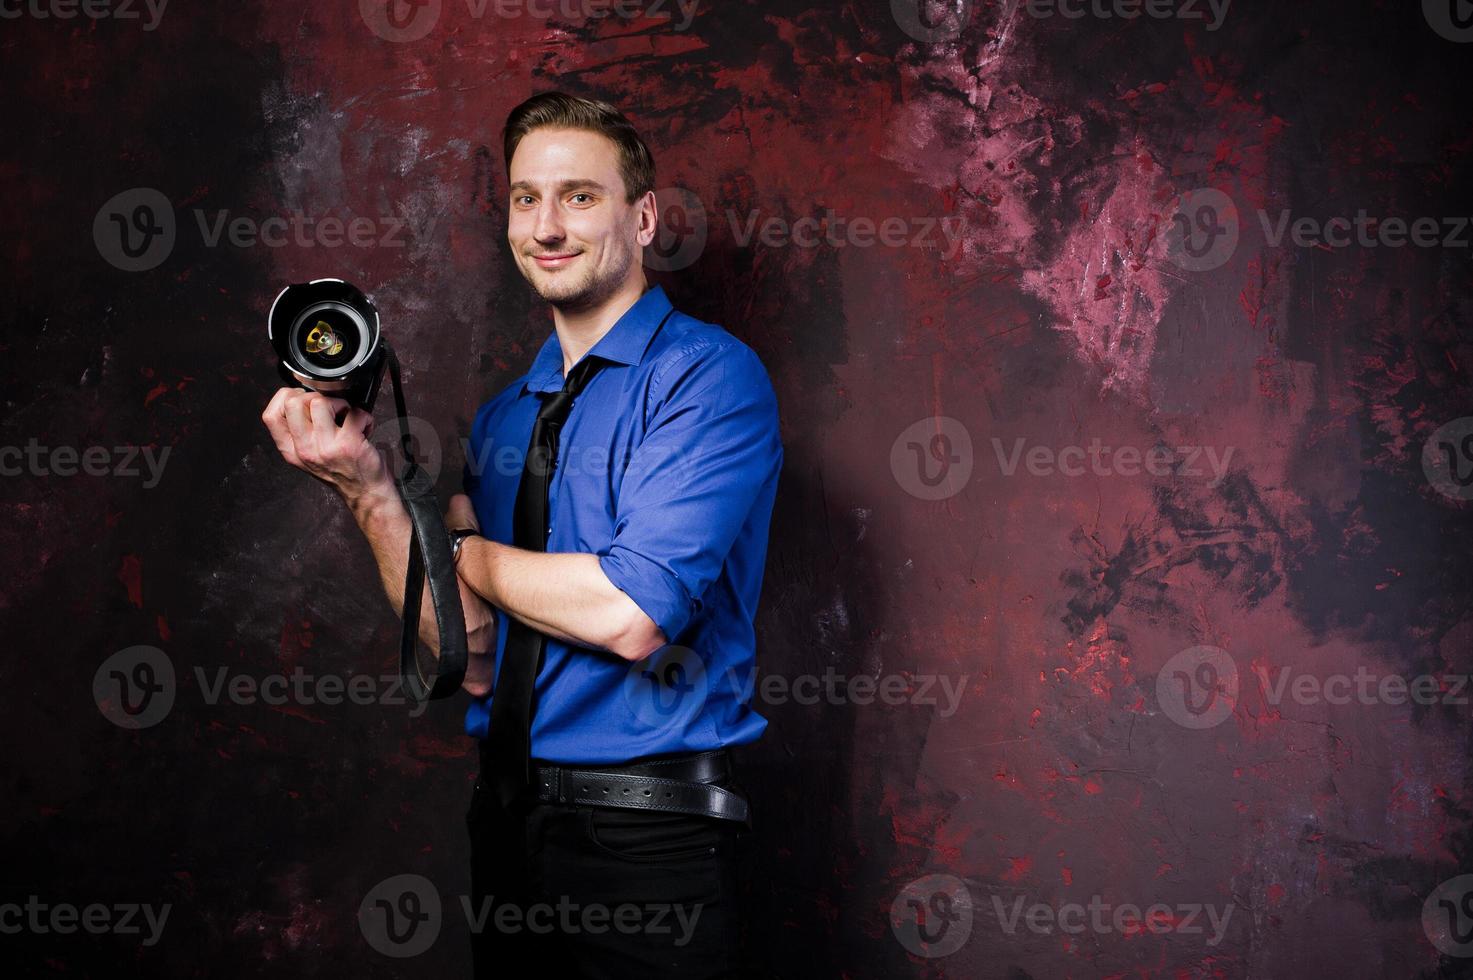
524 199
588 197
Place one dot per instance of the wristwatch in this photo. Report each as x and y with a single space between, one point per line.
457 538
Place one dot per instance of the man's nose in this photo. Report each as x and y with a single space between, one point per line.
549 227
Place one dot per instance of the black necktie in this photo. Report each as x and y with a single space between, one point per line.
509 734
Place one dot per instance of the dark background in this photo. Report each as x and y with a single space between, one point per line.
1054 601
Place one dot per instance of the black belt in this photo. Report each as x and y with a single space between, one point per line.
682 784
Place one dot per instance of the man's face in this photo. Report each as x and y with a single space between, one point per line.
575 238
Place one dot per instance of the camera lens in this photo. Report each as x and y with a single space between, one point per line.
327 339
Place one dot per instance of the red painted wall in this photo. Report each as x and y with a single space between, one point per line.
1117 507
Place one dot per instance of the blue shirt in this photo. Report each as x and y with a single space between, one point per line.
667 469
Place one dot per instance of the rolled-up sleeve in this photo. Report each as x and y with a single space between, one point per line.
711 446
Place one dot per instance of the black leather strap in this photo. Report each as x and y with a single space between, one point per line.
429 552
681 785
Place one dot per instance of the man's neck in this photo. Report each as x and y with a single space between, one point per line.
579 330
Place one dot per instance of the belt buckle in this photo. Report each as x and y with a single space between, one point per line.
552 781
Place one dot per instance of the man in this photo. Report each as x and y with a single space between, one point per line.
620 636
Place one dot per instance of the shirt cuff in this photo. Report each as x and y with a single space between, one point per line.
653 588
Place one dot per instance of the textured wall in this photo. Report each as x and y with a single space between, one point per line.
1101 681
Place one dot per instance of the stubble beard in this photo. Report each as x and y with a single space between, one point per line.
587 293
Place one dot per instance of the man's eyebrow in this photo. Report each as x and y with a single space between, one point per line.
564 186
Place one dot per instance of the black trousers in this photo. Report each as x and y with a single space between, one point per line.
601 892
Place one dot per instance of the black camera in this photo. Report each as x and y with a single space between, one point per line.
326 335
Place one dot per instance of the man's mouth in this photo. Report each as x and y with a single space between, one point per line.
555 260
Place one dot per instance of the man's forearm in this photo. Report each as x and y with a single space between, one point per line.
564 595
386 525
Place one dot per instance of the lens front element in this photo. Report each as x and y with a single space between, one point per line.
328 338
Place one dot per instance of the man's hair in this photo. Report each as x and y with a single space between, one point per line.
562 111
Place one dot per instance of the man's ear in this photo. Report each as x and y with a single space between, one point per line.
649 219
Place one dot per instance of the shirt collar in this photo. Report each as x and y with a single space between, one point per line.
624 343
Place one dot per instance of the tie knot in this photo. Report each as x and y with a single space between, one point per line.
557 404
581 374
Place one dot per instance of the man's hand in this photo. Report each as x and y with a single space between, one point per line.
306 429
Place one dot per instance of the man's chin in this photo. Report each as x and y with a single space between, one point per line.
561 292
559 288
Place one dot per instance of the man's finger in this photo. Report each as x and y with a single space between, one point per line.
273 407
299 424
462 512
340 407
324 415
358 424
274 418
284 442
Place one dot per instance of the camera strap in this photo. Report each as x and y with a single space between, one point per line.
429 558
